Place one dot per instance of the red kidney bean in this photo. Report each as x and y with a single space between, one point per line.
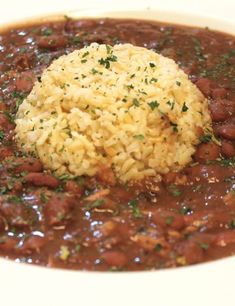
218 112
207 151
227 131
192 252
165 219
208 173
2 106
115 258
8 244
52 42
105 175
5 153
74 188
27 164
32 244
25 81
224 238
228 149
174 178
219 93
16 214
58 208
4 122
42 179
23 62
205 86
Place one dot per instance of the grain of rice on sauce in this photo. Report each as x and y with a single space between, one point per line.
122 106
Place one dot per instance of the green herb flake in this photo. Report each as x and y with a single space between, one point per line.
1 135
83 61
158 247
204 246
77 248
76 40
139 137
232 224
14 199
205 138
94 204
178 83
184 108
152 65
153 80
174 127
106 62
136 102
108 49
43 197
135 210
85 54
185 210
169 220
94 71
226 162
47 32
175 191
153 104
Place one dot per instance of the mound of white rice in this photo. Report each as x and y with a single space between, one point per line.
123 106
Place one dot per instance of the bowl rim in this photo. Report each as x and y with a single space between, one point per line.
222 268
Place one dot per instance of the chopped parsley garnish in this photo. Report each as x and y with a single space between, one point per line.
135 210
185 210
1 135
94 204
171 104
76 40
204 246
94 71
227 162
106 62
47 32
184 108
85 54
139 137
153 104
158 247
205 138
175 191
232 224
174 127
153 80
83 61
43 197
108 49
152 65
136 102
178 83
14 199
198 49
169 220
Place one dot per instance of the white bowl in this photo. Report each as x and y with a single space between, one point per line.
204 284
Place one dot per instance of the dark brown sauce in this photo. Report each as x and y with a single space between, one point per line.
186 219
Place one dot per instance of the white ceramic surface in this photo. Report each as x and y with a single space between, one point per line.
204 284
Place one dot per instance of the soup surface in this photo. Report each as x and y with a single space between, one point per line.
97 223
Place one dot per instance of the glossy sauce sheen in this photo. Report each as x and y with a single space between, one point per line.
96 223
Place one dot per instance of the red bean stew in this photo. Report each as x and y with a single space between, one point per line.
97 223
